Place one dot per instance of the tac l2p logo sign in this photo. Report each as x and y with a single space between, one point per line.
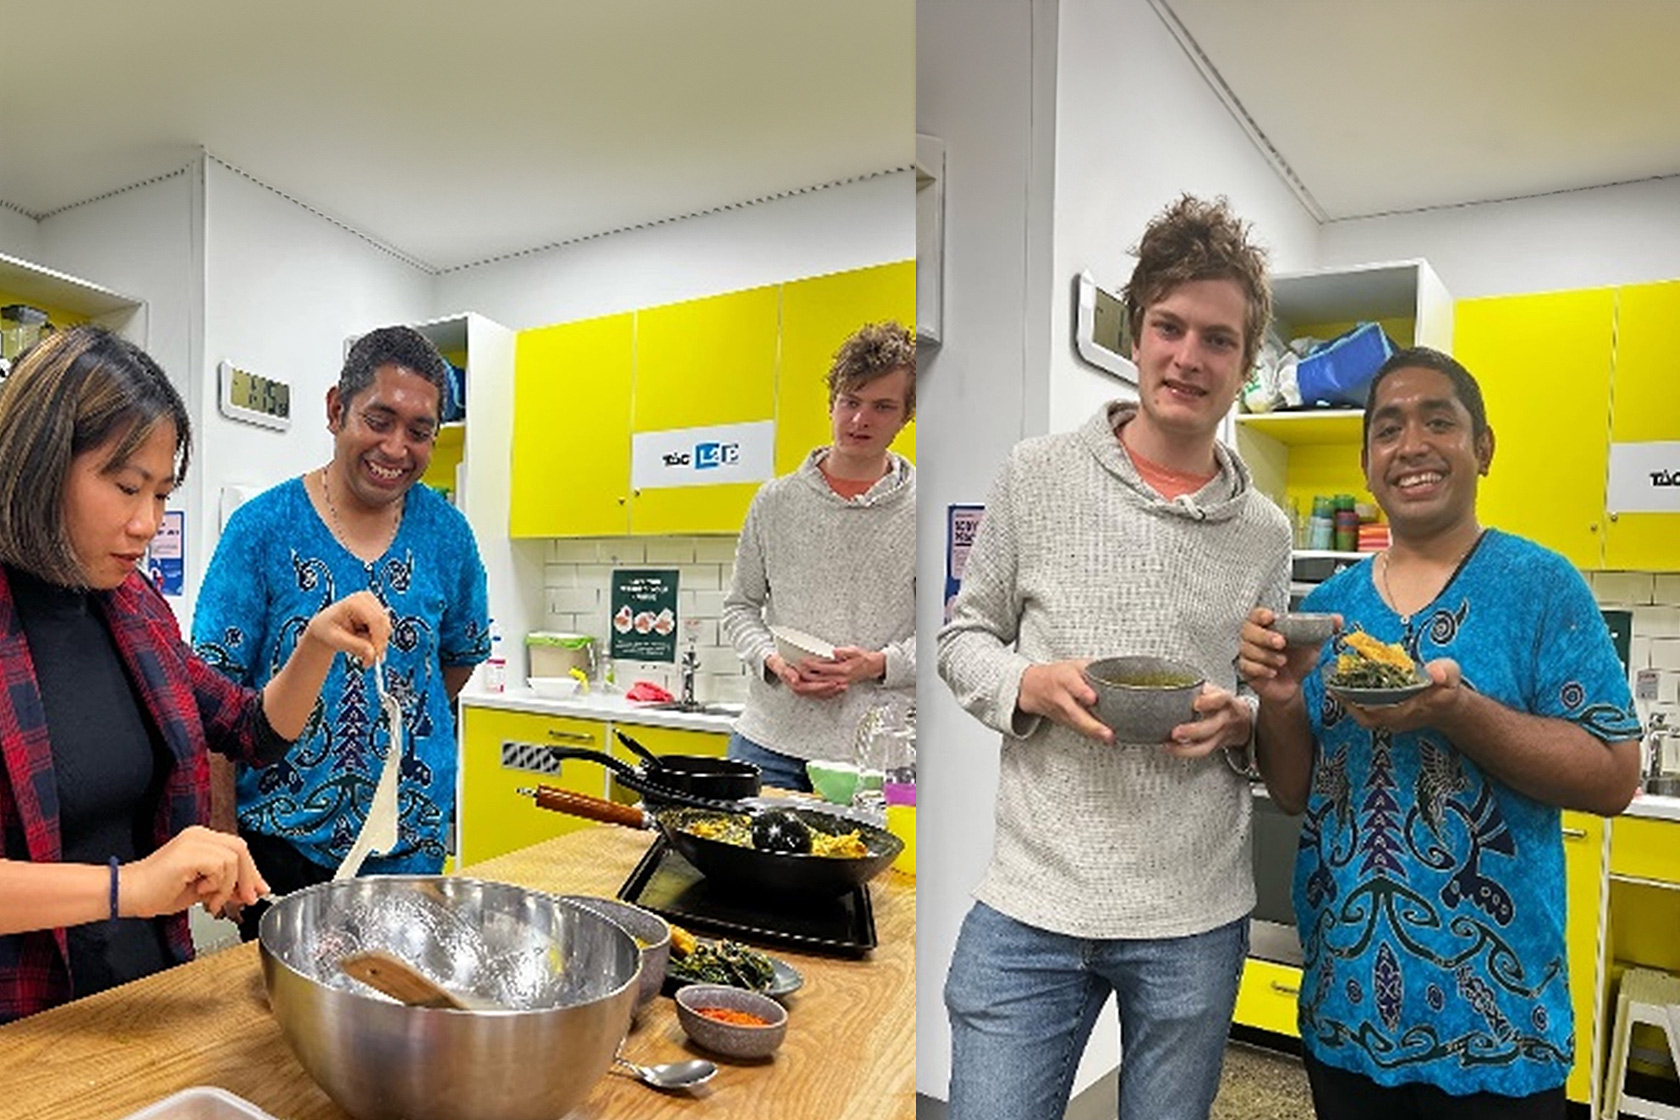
709 455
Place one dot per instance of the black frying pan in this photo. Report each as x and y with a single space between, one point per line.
732 866
721 779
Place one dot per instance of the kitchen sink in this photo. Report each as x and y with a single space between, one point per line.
1666 786
699 709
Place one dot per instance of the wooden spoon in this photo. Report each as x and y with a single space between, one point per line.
404 983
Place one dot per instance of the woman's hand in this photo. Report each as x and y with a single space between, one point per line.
357 624
196 865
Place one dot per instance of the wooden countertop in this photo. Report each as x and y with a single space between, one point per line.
850 1052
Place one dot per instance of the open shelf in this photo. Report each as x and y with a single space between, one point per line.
1314 427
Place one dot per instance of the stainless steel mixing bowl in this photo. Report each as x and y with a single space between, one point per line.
566 975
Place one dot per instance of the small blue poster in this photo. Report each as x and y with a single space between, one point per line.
164 559
961 523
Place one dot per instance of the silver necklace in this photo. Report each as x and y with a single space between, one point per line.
338 526
1394 604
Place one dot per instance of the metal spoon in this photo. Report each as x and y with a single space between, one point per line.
671 1075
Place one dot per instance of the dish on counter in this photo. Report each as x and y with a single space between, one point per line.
697 960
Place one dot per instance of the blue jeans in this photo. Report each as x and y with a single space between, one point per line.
776 769
1022 1003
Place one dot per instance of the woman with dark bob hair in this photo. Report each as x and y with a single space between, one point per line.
105 713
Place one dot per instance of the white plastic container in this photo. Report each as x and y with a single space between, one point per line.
495 669
202 1102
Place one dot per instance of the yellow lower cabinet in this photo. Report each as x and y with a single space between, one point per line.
1268 996
1642 848
1583 864
503 752
661 740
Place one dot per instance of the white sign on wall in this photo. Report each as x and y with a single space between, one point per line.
703 456
1644 478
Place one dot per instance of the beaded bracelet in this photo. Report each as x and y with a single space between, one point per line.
113 888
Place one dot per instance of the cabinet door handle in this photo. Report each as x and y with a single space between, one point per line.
1574 834
570 736
1285 989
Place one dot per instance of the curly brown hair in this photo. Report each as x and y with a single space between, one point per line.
875 350
1194 239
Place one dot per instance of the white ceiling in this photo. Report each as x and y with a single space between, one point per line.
1392 105
457 131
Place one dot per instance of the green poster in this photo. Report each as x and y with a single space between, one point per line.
644 614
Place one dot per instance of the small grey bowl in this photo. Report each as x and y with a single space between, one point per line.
1300 629
652 934
1141 712
731 1039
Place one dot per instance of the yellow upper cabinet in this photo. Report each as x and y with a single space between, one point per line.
1644 408
817 316
571 429
703 363
1544 364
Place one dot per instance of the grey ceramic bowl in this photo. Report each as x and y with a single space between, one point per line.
652 934
731 1039
1300 629
1133 703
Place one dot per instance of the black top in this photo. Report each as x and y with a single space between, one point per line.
107 764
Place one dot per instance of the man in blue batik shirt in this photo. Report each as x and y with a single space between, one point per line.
358 522
1429 885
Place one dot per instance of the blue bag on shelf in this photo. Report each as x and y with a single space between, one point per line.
1339 372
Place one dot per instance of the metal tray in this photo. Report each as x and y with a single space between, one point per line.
668 884
202 1102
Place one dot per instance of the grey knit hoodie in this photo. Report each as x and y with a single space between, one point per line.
1078 557
841 569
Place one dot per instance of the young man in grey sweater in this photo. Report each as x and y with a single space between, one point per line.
1118 867
830 550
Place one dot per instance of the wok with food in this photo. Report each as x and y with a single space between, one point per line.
1372 673
800 851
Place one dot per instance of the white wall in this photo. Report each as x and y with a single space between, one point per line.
867 222
283 290
1583 239
978 64
19 236
1137 125
1067 126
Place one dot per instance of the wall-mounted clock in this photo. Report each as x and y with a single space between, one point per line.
254 399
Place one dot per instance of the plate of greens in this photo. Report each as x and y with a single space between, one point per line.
729 963
1373 674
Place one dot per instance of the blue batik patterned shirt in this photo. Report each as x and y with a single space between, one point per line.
276 566
1430 895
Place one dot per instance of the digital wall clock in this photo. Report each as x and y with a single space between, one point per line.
254 399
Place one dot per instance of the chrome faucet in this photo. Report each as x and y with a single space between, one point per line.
690 664
1658 731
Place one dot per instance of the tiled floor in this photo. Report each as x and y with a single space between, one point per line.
1259 1084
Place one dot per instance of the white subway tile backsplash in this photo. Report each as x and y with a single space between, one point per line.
1668 588
1668 686
721 550
577 582
720 661
1657 622
577 600
700 577
670 550
707 604
1665 653
1639 651
573 551
1624 588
